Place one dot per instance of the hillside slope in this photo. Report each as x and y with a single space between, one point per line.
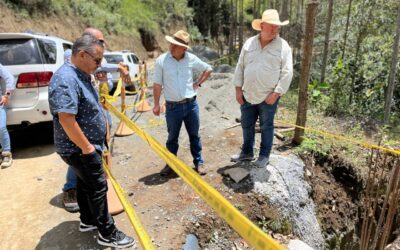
70 27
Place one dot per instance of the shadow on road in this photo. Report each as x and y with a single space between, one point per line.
154 179
56 201
33 141
67 236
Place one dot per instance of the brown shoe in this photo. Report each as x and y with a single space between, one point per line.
201 169
7 160
69 201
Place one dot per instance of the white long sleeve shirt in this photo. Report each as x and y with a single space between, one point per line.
261 71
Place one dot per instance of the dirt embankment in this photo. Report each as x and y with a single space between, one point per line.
71 27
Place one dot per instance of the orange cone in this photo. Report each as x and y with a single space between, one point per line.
143 106
114 204
123 130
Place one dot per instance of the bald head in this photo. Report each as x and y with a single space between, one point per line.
94 32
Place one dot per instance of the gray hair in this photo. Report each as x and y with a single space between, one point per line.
86 43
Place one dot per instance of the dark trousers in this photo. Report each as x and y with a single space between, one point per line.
91 190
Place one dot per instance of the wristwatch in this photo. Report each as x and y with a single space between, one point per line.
8 93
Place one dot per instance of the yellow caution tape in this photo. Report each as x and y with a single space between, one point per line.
243 226
131 92
155 122
342 138
144 238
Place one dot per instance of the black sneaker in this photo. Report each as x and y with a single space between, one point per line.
168 172
242 157
86 228
116 239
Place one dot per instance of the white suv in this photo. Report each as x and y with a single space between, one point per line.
31 59
125 57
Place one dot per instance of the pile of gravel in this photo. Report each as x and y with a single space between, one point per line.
282 182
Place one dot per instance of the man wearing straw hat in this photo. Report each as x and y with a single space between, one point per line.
174 73
263 74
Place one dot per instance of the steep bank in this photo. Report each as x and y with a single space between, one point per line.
70 27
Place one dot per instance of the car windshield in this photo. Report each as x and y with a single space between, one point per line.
114 58
19 52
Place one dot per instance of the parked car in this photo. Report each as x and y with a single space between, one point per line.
31 59
126 57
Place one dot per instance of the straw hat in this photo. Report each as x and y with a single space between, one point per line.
181 38
270 16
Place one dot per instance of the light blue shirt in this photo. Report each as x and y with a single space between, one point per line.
7 82
176 77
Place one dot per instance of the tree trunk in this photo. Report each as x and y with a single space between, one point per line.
259 9
284 17
254 14
254 9
235 37
240 24
393 69
362 32
326 44
360 37
311 14
231 33
347 28
298 11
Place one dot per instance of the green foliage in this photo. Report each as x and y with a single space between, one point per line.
317 93
279 225
313 144
360 78
32 5
113 16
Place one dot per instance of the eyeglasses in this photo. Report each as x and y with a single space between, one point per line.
96 60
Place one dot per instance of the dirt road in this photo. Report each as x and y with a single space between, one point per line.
33 217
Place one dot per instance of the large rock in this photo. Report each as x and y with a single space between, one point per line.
282 182
224 68
206 53
298 245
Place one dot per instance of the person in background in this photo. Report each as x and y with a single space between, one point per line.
80 126
263 74
173 72
7 85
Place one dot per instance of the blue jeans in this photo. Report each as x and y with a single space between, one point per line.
187 113
71 179
249 116
4 136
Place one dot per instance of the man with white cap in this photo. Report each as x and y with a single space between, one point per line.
263 74
173 72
